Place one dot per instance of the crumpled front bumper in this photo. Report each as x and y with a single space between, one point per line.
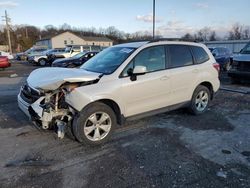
24 106
33 111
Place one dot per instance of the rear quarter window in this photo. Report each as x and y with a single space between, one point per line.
200 55
180 55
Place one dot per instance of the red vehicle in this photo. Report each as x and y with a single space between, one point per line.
4 62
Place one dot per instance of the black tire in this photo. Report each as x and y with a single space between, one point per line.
193 106
42 62
69 131
80 122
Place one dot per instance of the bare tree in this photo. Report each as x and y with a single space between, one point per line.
187 36
212 36
246 33
236 32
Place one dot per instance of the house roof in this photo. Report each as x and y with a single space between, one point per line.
102 39
43 39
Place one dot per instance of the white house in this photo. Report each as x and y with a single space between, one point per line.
68 38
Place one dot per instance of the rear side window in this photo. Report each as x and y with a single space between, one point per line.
180 56
200 54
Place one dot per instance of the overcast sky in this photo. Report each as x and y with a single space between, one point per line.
174 17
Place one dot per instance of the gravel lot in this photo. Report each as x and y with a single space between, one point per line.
172 149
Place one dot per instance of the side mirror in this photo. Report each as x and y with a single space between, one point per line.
139 70
214 54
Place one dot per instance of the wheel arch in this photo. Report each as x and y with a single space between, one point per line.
114 106
209 86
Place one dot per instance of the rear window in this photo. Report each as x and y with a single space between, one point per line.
180 56
200 54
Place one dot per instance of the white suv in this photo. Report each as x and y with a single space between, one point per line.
122 82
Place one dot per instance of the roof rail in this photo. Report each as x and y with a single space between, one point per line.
172 39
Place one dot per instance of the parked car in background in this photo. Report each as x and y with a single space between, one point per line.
75 61
123 82
240 69
223 56
69 51
4 62
6 54
30 52
42 58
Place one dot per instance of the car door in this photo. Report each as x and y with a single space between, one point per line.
149 91
183 73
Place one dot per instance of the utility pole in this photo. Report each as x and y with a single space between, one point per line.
7 21
26 32
153 19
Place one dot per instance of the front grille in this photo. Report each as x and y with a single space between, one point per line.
243 66
29 94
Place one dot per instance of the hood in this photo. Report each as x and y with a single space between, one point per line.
52 78
242 57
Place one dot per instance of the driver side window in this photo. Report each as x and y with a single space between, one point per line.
153 58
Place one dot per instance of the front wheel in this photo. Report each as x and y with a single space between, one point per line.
95 124
200 100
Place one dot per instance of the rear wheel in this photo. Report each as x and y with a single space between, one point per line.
200 100
95 124
42 62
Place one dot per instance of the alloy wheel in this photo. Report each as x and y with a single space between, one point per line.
201 101
97 126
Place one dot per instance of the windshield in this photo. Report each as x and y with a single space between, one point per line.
108 60
28 51
77 56
67 49
246 49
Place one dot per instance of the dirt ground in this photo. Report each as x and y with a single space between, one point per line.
172 149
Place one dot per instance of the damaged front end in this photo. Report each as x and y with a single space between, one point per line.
46 106
46 110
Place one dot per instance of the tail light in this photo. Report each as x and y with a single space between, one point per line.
216 66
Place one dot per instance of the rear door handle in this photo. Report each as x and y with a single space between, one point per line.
164 78
195 71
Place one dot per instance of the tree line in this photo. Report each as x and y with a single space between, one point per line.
237 32
25 36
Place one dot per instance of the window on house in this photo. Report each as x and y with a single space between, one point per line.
65 41
72 42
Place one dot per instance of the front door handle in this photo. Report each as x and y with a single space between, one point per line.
165 78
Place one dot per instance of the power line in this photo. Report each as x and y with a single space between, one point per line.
7 22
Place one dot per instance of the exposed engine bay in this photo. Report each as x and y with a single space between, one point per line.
46 106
